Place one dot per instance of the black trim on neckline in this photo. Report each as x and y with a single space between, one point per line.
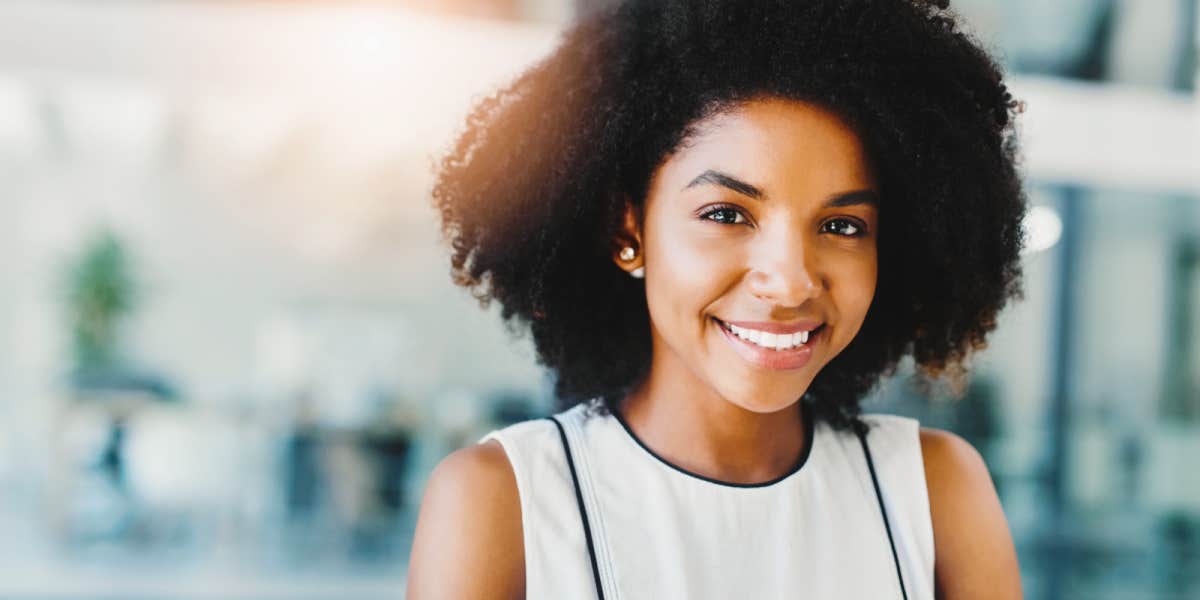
583 515
862 438
809 429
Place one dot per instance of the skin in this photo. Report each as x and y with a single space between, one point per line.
768 213
783 256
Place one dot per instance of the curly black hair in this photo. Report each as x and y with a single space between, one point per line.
532 192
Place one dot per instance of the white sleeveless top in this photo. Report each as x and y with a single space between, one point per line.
658 531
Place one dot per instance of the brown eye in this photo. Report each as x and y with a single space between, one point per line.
725 215
844 227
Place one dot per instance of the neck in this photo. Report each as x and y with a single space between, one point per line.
690 425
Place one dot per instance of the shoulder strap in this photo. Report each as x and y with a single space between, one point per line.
862 438
587 529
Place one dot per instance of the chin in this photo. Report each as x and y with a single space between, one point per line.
766 403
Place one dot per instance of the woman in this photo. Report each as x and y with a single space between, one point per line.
723 223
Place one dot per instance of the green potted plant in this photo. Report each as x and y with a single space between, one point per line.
100 293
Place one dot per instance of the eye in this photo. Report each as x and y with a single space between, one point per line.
726 215
844 227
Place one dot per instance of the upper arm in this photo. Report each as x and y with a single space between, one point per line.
974 555
468 542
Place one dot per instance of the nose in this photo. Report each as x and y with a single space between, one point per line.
785 270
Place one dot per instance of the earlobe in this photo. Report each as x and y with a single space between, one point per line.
628 256
629 259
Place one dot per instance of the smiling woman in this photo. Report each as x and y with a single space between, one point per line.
723 223
765 221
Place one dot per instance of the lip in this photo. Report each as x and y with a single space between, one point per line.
779 360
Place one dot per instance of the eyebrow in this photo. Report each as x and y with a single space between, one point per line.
727 181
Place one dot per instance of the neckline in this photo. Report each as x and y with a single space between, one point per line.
805 452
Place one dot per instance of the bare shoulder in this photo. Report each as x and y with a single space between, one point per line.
469 522
974 552
945 451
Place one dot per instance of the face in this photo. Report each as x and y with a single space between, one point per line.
758 239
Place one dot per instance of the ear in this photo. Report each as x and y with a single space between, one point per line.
629 235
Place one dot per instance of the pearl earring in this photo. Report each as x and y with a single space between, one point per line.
628 254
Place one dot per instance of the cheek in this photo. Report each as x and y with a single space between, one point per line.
854 288
689 269
686 273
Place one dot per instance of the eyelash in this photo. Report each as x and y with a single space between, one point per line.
720 208
862 230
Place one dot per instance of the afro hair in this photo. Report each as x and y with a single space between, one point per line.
532 192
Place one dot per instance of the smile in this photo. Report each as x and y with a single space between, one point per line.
772 350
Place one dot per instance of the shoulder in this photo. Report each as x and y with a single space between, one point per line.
945 451
974 552
470 522
482 467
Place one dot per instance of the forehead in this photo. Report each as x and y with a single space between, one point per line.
783 145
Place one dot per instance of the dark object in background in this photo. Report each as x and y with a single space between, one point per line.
97 382
510 407
302 476
389 452
1178 548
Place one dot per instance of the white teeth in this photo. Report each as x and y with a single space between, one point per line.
768 340
773 341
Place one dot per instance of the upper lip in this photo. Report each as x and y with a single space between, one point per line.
777 327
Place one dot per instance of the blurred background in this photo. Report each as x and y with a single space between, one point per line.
230 352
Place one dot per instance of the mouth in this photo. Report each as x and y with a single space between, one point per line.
772 351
